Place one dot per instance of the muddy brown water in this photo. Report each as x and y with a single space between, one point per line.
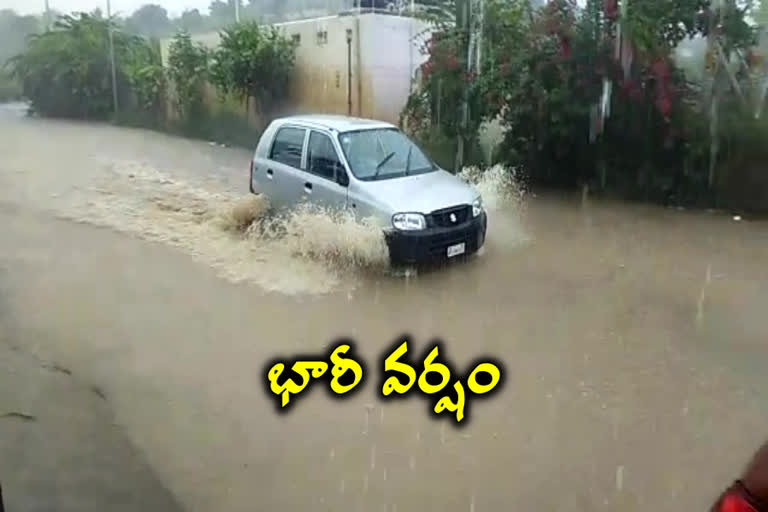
633 337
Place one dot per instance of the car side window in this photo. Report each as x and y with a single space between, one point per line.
288 145
322 158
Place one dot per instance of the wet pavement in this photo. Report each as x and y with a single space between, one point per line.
60 447
632 337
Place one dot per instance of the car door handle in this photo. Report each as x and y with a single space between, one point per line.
270 174
308 188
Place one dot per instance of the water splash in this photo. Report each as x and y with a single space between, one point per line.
306 251
504 197
499 185
332 236
309 250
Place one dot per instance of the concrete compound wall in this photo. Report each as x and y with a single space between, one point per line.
385 55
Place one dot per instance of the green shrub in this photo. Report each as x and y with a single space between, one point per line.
188 71
65 72
10 90
254 61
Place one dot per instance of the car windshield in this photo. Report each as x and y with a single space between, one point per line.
383 154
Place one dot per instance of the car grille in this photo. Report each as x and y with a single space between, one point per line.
445 218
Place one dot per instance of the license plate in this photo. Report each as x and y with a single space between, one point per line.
455 250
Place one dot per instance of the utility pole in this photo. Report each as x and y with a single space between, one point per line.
47 15
714 90
349 71
112 56
237 11
411 20
481 23
467 15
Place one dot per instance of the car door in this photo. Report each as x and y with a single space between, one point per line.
324 170
284 177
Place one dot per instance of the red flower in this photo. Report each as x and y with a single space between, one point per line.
452 63
660 69
664 104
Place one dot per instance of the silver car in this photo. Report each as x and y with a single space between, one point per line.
375 171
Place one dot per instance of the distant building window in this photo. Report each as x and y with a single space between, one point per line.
296 38
322 37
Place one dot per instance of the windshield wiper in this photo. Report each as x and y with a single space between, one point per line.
381 164
408 161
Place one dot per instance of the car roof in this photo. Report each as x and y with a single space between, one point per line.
337 123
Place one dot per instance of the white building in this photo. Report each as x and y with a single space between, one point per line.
361 64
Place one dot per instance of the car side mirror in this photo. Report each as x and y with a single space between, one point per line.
342 178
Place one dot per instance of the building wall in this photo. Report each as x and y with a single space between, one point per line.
321 78
390 55
384 57
385 53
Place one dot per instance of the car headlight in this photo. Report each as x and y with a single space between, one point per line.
409 221
477 207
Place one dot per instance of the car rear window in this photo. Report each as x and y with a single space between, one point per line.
321 156
288 145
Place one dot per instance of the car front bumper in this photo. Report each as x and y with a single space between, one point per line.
432 244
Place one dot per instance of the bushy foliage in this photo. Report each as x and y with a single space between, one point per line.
15 30
254 61
544 75
144 69
188 70
10 90
65 72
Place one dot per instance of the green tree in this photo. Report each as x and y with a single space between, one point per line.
254 61
449 80
143 68
15 30
192 21
556 126
222 12
150 20
65 71
545 74
188 71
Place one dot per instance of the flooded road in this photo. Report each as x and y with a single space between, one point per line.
633 338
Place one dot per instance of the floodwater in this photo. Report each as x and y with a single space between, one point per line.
633 341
